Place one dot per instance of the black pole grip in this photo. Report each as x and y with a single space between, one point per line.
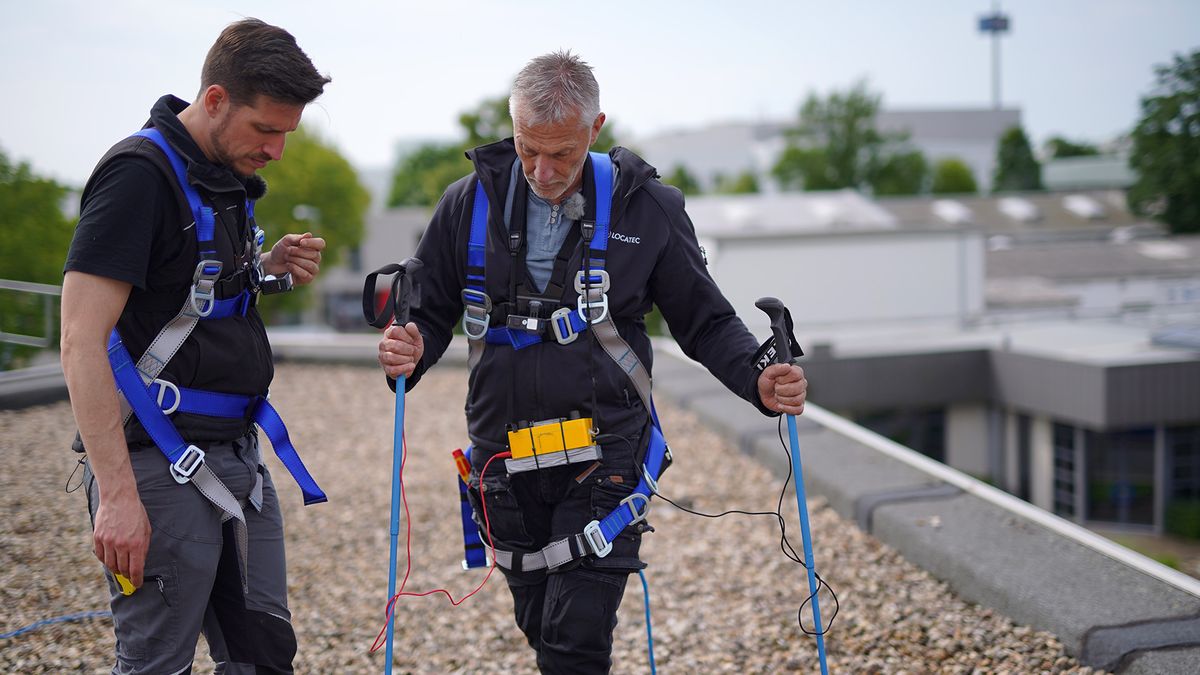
400 297
786 347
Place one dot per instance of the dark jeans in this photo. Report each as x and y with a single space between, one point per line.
568 615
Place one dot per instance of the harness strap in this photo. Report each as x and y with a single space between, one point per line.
171 399
187 461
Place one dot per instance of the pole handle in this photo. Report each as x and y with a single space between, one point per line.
401 297
786 347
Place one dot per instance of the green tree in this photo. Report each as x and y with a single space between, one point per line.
1166 147
836 145
683 179
952 176
314 189
34 237
1016 167
1058 148
902 173
421 176
742 184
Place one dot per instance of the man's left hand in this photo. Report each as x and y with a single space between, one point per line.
783 388
299 254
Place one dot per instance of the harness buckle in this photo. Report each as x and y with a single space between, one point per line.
595 539
593 295
560 323
477 308
629 501
653 484
187 465
164 386
204 293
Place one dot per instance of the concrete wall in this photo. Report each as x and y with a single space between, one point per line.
853 277
1041 472
967 438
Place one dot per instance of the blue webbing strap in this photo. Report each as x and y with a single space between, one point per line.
621 518
272 424
213 404
474 550
161 431
477 240
205 222
602 174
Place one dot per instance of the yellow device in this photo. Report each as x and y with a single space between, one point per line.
125 584
551 443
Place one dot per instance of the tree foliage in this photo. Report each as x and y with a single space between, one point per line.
421 176
951 175
836 144
1166 147
901 173
744 183
34 232
1058 148
34 237
683 179
313 189
1016 167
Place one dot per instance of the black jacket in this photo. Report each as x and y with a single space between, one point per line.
653 258
230 355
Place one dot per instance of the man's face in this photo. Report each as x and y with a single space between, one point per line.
552 155
246 137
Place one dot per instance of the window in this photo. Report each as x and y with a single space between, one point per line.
921 430
1183 453
1120 476
1064 470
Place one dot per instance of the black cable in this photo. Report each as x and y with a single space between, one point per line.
785 544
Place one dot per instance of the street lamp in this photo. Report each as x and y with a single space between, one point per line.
995 23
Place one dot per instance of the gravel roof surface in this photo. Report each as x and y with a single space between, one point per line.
724 599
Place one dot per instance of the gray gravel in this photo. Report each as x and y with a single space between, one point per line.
724 599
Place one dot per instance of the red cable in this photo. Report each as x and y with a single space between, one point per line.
391 605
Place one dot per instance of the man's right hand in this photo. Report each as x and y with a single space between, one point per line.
121 535
400 349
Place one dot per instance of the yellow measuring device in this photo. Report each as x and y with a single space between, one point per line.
551 442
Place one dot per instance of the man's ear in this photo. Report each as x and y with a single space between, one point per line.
214 99
596 128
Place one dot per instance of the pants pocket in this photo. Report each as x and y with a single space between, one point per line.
503 516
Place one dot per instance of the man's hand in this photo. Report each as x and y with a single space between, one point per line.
299 254
783 388
400 349
122 534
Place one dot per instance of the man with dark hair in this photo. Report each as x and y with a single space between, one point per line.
166 264
552 256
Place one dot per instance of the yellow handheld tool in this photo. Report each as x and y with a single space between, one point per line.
126 585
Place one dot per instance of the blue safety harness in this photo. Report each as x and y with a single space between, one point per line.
153 410
566 324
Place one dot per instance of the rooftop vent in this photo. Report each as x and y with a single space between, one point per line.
953 212
1085 207
1020 210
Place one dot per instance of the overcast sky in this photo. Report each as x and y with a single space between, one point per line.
78 76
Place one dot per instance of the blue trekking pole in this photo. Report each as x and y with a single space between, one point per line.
395 312
781 327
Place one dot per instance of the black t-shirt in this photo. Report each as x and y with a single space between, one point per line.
135 226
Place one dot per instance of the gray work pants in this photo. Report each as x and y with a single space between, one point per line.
192 577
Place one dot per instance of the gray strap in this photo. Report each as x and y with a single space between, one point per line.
619 351
555 554
215 492
474 353
162 349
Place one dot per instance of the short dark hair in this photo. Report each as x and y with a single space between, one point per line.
252 57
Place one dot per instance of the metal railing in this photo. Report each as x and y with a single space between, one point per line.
48 293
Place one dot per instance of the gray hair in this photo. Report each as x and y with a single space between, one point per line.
555 87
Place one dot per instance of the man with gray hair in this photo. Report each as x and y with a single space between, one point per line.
552 256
